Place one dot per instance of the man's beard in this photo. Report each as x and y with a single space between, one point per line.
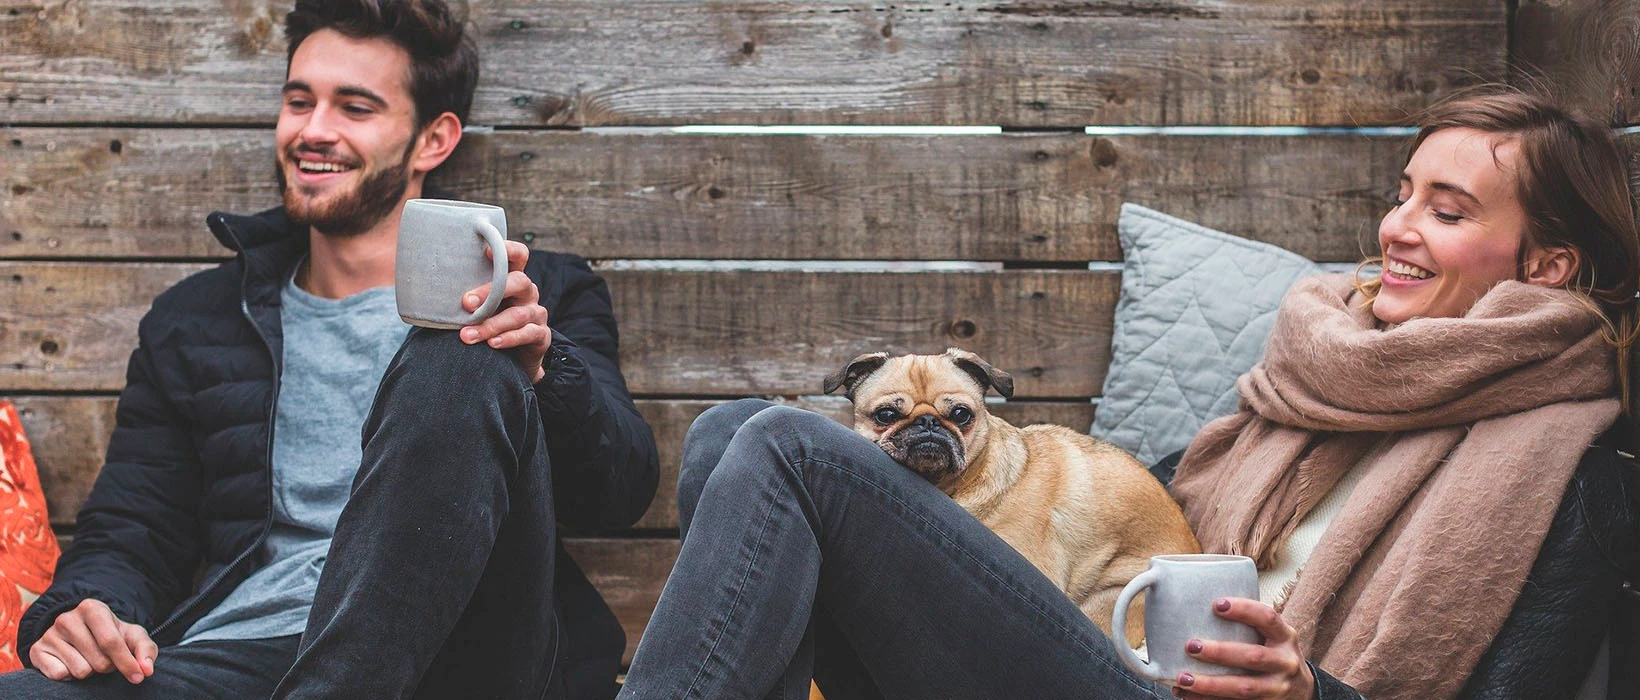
353 211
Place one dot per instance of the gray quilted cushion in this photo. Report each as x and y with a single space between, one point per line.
1196 307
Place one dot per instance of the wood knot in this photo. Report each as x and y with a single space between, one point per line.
964 329
1103 152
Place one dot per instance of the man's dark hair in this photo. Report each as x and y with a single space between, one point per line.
443 60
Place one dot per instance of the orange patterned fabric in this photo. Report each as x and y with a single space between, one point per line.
28 549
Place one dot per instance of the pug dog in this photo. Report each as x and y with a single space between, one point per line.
1083 511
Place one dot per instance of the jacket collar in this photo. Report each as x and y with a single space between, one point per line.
269 242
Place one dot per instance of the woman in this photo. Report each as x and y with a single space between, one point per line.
1442 431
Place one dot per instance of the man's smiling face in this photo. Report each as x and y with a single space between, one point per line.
346 132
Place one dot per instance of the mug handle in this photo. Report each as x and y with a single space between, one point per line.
1118 623
498 282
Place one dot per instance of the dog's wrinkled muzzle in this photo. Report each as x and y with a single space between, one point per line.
927 448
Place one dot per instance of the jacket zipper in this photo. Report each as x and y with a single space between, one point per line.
273 408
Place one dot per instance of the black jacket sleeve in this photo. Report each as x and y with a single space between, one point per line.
604 462
136 541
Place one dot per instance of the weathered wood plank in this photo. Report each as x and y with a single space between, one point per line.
132 193
1586 53
736 333
71 326
590 62
69 435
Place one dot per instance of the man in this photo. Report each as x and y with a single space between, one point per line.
240 543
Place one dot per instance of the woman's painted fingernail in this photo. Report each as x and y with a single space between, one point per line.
1186 679
1193 646
1223 605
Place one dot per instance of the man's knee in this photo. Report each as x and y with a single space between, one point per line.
434 366
441 352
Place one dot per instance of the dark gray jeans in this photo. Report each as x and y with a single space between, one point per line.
807 551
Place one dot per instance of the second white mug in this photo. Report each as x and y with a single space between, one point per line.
1179 593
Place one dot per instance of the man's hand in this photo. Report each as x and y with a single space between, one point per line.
1277 668
520 324
89 640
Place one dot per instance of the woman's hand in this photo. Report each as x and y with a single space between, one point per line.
1278 669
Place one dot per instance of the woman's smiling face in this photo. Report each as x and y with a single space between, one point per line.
1457 230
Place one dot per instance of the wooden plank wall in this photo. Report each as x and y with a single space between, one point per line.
125 122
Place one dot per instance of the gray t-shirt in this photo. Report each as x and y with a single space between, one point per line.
336 351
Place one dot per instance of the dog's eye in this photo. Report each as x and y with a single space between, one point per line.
885 416
962 416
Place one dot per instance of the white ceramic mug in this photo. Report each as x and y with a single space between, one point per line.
441 258
1179 593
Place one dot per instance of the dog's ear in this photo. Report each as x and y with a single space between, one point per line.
982 372
850 375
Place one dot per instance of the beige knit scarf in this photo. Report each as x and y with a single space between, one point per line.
1484 420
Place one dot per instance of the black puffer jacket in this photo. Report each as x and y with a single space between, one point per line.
187 481
1573 598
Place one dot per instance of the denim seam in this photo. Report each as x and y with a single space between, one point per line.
906 507
740 589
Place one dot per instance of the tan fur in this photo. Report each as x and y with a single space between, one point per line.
1086 513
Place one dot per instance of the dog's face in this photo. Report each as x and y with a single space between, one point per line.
926 411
